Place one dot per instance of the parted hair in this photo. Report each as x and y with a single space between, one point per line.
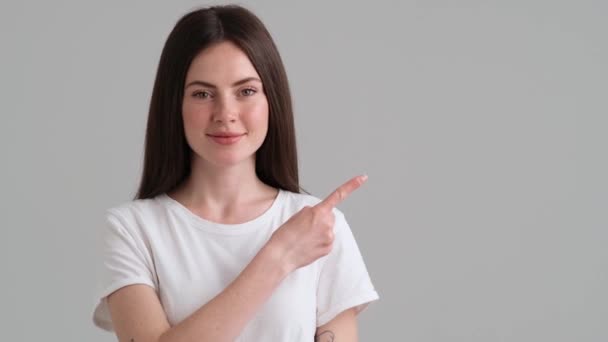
167 155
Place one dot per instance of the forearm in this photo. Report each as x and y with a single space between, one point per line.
224 317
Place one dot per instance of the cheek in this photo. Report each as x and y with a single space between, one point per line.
195 116
258 114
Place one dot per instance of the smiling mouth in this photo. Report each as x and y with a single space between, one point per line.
225 135
226 140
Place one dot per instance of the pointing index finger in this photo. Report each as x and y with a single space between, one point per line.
342 192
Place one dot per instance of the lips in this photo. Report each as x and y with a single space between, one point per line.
226 138
225 135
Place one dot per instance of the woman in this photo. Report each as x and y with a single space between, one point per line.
219 244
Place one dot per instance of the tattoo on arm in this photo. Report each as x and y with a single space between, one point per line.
326 336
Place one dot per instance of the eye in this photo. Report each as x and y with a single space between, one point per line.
248 91
201 94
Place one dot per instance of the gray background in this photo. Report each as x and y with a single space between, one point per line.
481 124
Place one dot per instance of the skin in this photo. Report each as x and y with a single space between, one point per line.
224 188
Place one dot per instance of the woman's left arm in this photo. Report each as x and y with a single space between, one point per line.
343 328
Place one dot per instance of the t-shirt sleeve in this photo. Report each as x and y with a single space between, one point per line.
343 281
123 259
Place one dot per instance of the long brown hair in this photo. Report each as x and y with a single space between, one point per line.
167 156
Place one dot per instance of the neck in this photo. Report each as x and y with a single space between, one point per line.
222 188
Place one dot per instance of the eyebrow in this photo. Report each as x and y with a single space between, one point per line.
210 85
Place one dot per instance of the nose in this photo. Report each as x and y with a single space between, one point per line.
225 110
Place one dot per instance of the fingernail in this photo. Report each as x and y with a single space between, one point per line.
364 178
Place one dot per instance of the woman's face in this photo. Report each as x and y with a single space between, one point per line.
223 95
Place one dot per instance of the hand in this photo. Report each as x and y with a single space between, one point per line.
309 234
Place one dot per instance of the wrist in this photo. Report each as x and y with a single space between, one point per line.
278 257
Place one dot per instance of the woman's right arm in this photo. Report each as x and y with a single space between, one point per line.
138 316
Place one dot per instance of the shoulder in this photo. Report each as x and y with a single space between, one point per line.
296 201
135 214
136 207
302 199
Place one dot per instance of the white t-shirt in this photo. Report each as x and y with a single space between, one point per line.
188 260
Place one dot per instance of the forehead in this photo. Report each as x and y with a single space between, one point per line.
221 63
